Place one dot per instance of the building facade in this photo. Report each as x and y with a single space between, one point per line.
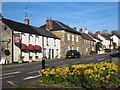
70 38
29 43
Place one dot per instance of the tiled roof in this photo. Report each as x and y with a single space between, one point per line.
57 26
21 27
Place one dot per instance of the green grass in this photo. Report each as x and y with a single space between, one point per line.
21 87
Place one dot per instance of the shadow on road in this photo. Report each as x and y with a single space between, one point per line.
117 55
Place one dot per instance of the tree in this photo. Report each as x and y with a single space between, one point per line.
114 32
98 45
105 32
114 45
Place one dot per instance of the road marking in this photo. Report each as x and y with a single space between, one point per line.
10 82
32 72
7 77
101 59
11 70
10 73
88 59
31 77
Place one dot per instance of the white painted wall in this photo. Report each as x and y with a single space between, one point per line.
104 41
53 47
25 40
116 40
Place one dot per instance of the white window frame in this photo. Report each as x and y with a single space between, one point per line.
72 37
76 38
68 36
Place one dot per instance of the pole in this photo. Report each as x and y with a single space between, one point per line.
43 63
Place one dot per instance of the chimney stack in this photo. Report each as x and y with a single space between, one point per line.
96 34
86 31
80 30
74 28
27 20
49 23
99 31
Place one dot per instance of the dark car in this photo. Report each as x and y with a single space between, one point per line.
73 54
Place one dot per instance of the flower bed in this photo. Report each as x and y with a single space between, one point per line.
104 74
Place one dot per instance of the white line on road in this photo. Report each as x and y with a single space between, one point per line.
10 73
31 77
33 72
101 59
11 70
7 77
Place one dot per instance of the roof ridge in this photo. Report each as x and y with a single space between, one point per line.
59 24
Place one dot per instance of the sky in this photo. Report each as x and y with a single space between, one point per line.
90 15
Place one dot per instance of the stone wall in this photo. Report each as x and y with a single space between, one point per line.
7 42
69 44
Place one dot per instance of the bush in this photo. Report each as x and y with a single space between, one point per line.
92 52
107 50
104 74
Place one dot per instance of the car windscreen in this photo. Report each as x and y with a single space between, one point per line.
71 51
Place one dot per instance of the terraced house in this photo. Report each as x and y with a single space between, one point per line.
89 44
28 43
70 38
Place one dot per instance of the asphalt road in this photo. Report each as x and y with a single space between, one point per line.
13 75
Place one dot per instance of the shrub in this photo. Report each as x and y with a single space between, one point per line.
107 50
91 75
92 52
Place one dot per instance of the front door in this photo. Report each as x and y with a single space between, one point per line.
52 53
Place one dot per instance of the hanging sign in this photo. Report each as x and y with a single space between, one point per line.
16 38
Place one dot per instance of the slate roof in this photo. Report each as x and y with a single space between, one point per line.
105 36
93 35
21 27
118 35
87 37
57 26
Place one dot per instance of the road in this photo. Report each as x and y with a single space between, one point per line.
13 75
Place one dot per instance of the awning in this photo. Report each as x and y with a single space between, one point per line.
30 47
23 46
37 47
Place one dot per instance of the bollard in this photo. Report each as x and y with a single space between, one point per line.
43 63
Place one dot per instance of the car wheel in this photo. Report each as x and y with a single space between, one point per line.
75 56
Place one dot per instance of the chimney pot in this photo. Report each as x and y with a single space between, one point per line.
27 20
75 28
49 23
80 30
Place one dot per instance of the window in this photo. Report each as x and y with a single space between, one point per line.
72 37
68 36
68 47
77 48
86 49
76 38
54 42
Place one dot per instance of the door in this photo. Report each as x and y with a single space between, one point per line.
52 53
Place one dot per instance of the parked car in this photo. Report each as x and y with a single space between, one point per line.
73 54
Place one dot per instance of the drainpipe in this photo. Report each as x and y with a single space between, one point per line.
43 45
12 47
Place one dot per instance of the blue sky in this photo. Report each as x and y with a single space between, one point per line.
96 15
